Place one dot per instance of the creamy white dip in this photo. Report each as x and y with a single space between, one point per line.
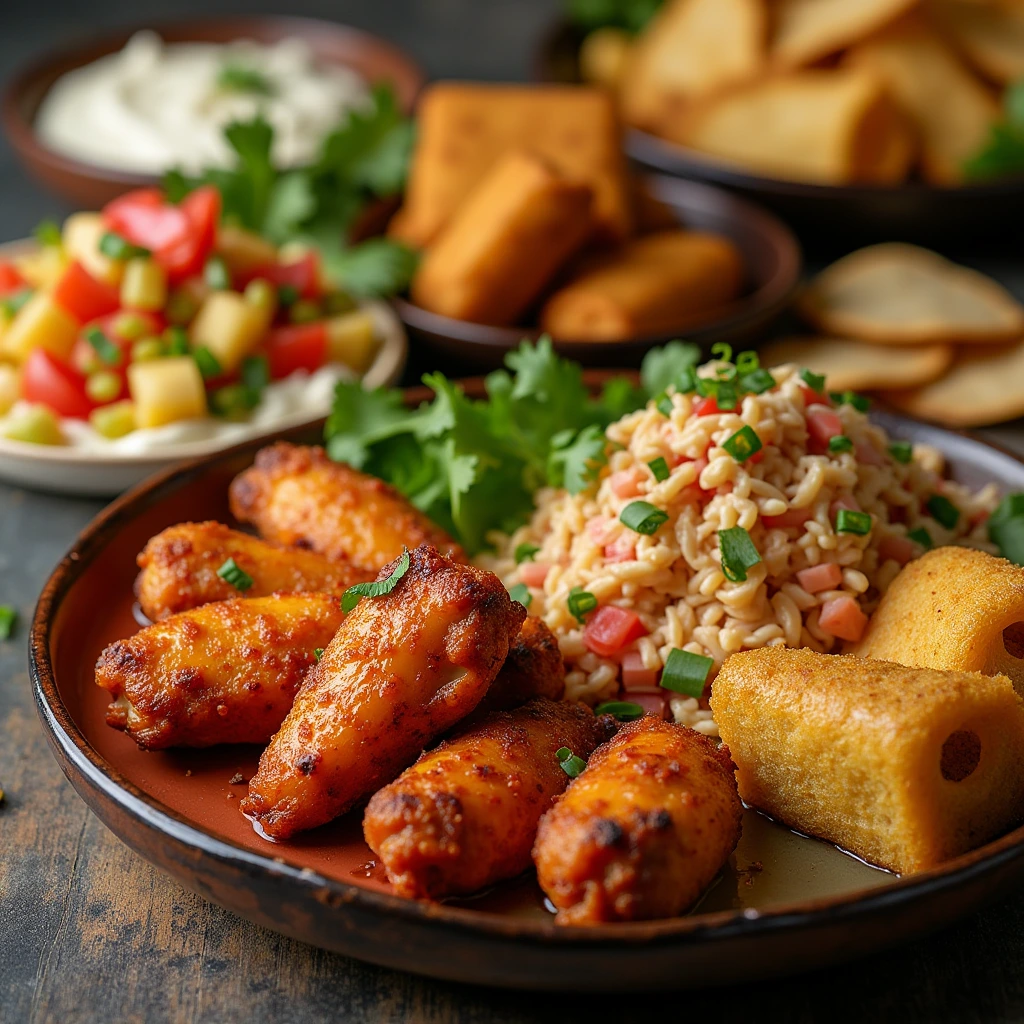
154 105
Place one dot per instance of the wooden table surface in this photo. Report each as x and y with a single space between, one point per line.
90 932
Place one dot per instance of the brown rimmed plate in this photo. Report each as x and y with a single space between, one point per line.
786 903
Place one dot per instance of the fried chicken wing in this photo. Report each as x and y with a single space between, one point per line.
533 668
403 668
179 569
465 814
223 673
296 496
643 830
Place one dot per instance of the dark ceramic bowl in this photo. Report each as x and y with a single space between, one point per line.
91 186
829 219
787 903
770 254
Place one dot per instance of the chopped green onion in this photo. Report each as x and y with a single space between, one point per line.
216 274
859 402
304 311
231 573
748 362
659 468
921 536
571 764
525 553
378 588
901 451
238 78
686 672
743 443
850 521
108 352
663 404
943 511
234 401
815 381
580 603
118 248
726 396
687 382
8 617
255 373
47 232
839 443
738 553
521 593
722 350
11 304
623 710
207 362
757 382
177 341
318 653
287 294
642 517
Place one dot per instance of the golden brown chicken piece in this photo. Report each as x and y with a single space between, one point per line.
465 814
296 496
643 830
403 668
223 673
179 569
533 668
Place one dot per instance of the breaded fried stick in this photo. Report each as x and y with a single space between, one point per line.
223 673
533 668
465 814
180 569
643 830
296 496
404 667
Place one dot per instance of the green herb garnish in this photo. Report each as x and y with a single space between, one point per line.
232 573
47 233
378 588
659 469
216 274
738 553
686 672
815 381
921 536
664 405
757 381
631 15
238 78
643 517
571 764
521 593
859 402
209 365
743 443
255 373
623 710
118 248
11 304
1003 152
943 511
8 619
318 653
525 553
840 443
109 353
580 603
1006 527
177 341
901 451
851 521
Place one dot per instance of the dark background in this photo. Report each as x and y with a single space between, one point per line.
90 932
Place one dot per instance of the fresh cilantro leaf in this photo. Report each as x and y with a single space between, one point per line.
619 397
378 266
360 418
239 78
1003 152
664 366
291 202
631 15
576 459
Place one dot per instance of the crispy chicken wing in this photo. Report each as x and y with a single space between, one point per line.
403 668
297 496
223 673
533 668
643 830
179 569
465 814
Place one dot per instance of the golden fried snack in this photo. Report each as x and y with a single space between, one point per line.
990 35
223 673
403 668
465 814
179 569
653 285
905 767
533 668
464 128
517 227
956 609
644 829
297 497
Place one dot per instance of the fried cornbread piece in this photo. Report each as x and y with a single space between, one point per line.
297 497
643 830
465 814
955 609
905 767
533 668
652 285
403 668
464 128
517 227
179 569
223 673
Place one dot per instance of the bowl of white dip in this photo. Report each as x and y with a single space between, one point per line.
95 120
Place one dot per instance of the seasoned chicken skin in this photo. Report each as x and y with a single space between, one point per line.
223 673
465 814
403 668
533 668
179 569
643 830
296 496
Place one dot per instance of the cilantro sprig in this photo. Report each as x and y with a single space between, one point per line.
1003 152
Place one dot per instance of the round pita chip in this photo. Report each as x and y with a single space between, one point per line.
900 294
850 365
984 385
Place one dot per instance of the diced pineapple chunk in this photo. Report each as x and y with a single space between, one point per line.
166 390
81 237
243 251
37 425
40 323
229 327
351 340
144 285
44 267
9 387
114 421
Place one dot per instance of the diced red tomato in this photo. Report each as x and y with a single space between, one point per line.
899 549
791 519
81 295
621 550
610 629
700 465
822 424
10 279
706 406
302 274
651 703
533 574
635 676
843 618
826 576
626 483
296 347
847 501
869 454
597 529
48 381
812 397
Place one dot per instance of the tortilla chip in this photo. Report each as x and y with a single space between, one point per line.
691 49
904 295
950 108
984 385
827 126
807 30
850 365
990 36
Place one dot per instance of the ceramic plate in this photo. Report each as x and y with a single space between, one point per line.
785 903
